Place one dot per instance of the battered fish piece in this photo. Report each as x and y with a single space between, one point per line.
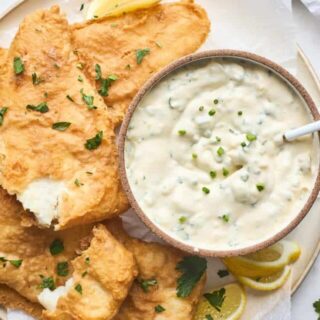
155 262
39 263
57 141
158 35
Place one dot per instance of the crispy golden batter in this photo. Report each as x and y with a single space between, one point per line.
155 261
169 31
30 149
110 273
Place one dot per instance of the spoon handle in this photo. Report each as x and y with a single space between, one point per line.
290 135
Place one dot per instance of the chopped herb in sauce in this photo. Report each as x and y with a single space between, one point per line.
208 317
88 100
47 283
316 306
98 72
18 65
225 217
69 98
62 268
215 101
183 219
105 85
218 139
145 284
80 79
194 156
82 6
223 273
251 137
182 132
94 142
35 79
192 269
220 151
78 183
141 53
78 288
61 126
201 108
84 274
16 263
260 187
216 298
56 247
213 174
212 112
243 144
41 107
87 261
3 111
240 113
128 66
159 308
205 190
225 172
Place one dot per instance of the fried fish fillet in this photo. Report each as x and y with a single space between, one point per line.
162 33
157 262
57 141
35 262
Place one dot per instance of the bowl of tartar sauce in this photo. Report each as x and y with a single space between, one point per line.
202 155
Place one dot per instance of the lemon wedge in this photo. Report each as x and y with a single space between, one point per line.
264 262
268 283
101 8
230 300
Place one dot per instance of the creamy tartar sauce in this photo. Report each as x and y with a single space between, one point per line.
205 157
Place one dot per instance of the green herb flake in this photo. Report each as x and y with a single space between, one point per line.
260 187
16 263
3 111
141 53
69 98
98 72
251 137
218 139
78 183
94 142
192 269
105 85
223 273
225 172
61 126
62 269
3 259
18 65
183 219
216 298
182 132
35 79
208 317
194 156
215 101
213 174
84 274
201 108
80 79
243 144
88 100
87 261
41 107
47 283
220 151
78 288
240 113
316 306
225 218
145 284
82 7
159 308
56 247
212 112
205 190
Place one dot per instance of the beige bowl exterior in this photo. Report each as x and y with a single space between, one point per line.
157 78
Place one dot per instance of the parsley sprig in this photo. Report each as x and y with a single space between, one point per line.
94 142
216 298
104 82
316 306
141 53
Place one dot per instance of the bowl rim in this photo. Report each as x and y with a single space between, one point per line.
155 79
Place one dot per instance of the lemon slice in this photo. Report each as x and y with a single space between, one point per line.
268 283
231 308
264 262
100 8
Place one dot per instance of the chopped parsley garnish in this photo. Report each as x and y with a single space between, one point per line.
62 269
69 98
215 101
94 142
145 284
192 269
18 65
194 156
201 108
56 247
216 298
41 107
82 6
225 172
243 144
16 263
3 111
260 187
78 288
87 260
223 273
220 152
61 126
159 308
98 72
78 183
213 174
47 283
183 219
240 113
105 85
35 79
251 137
84 274
316 306
80 65
218 139
206 190
208 317
128 66
88 100
182 132
141 53
212 112
225 217
80 79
